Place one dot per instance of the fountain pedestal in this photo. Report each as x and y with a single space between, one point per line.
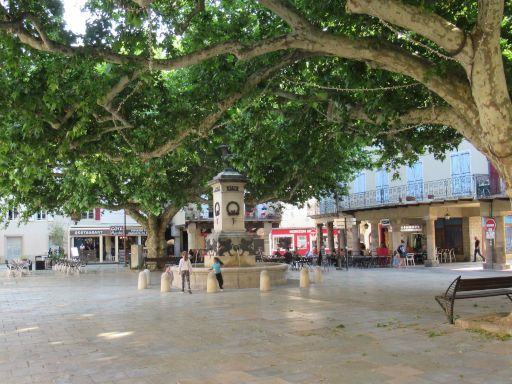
230 242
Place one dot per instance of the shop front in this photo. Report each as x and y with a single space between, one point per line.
105 244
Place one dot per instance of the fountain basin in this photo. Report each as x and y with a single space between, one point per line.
234 277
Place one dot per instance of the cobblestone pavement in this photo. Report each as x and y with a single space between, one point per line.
361 326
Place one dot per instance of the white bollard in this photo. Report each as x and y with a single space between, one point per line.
211 283
165 282
304 278
143 281
318 275
148 276
264 281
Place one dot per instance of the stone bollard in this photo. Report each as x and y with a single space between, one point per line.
165 282
211 283
318 275
148 276
143 280
304 278
264 281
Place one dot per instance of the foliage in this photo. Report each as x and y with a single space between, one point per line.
56 234
127 117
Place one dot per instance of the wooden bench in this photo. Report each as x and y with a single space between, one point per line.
474 288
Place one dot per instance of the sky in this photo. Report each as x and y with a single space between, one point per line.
74 18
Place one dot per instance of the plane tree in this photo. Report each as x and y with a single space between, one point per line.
458 53
302 92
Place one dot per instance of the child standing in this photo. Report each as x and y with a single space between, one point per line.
218 274
185 269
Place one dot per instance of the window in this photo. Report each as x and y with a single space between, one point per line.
461 174
88 215
13 213
41 215
382 186
302 242
415 180
360 183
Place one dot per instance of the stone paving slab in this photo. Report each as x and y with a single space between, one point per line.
361 326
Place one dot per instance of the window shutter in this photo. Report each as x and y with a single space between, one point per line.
97 214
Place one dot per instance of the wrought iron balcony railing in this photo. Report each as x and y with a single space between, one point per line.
475 186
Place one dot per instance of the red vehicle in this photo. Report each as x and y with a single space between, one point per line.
300 239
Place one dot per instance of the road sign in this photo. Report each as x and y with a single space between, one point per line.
490 224
313 232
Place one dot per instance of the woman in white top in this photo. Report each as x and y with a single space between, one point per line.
185 269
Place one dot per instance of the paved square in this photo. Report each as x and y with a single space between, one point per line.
361 326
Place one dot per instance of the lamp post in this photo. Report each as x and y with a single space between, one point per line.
124 240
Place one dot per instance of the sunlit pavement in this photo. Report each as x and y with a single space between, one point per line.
361 326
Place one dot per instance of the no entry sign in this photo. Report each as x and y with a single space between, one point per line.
490 229
490 224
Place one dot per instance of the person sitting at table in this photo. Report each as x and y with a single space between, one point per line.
309 254
277 254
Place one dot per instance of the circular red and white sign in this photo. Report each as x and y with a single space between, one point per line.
490 224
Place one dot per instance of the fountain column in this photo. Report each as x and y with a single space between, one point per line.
229 240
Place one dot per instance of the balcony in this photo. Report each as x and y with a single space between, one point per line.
261 212
477 186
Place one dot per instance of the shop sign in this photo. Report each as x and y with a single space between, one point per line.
136 232
385 222
299 230
88 232
130 231
411 228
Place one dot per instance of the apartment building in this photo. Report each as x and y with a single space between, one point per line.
432 205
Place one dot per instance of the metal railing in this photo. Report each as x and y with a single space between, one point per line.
476 186
192 214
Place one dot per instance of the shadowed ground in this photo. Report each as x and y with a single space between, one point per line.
362 326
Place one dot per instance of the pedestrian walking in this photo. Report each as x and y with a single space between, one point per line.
218 274
477 250
185 269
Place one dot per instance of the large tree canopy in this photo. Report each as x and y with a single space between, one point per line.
300 90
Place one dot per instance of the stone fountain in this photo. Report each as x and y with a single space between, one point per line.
229 240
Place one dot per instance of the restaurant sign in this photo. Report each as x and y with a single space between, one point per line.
85 232
112 231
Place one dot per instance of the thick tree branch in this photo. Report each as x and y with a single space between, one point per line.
377 53
489 83
134 211
434 115
285 11
205 126
435 28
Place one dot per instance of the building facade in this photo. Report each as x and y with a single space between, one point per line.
99 235
433 205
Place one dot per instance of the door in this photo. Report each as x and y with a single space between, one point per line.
415 180
461 174
13 248
382 186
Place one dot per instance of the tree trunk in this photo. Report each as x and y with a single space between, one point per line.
156 243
